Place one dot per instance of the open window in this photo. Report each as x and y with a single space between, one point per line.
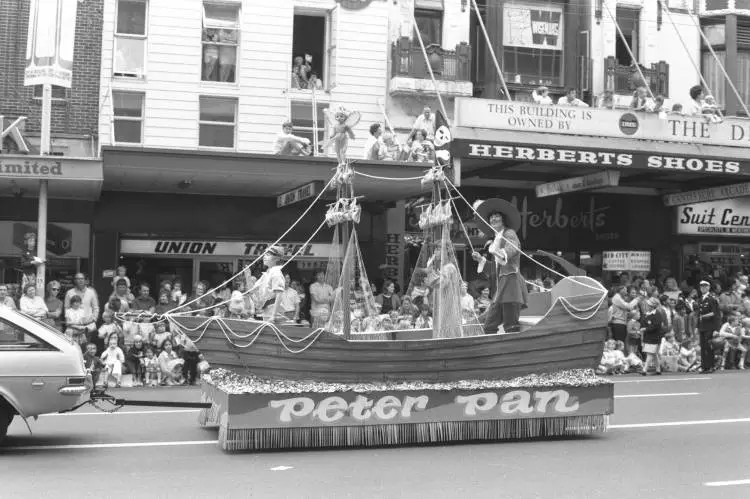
130 39
314 49
629 20
220 40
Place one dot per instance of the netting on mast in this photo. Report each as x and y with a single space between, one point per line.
332 273
361 307
436 284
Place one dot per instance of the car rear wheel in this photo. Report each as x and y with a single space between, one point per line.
6 416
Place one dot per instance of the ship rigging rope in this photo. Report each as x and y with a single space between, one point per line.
248 291
411 179
250 265
599 289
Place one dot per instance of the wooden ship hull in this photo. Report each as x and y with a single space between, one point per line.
556 341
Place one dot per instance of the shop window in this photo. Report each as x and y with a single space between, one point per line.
58 93
218 119
315 40
130 39
220 38
302 119
128 117
533 43
428 14
629 20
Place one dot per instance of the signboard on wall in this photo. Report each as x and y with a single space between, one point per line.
301 193
625 261
729 217
530 117
710 194
50 43
64 240
532 26
608 178
219 248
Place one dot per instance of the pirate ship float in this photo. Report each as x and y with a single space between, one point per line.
274 383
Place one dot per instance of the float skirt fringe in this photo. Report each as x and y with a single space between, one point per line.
251 439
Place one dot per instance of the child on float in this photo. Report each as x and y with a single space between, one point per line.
669 352
689 360
113 359
268 290
424 321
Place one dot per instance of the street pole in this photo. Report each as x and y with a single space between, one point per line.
44 150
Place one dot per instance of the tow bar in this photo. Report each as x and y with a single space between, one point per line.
100 399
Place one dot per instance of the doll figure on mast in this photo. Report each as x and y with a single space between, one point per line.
342 122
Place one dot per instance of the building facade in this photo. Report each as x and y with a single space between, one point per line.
72 171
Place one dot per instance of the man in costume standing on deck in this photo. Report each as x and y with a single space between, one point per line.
268 290
504 254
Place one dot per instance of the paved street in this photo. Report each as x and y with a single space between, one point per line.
673 436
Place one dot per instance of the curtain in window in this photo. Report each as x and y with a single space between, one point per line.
743 75
713 75
430 26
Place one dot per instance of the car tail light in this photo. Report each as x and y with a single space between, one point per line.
77 380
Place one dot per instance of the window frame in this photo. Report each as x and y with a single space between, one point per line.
323 126
433 14
115 118
635 42
238 44
41 93
234 124
330 48
144 37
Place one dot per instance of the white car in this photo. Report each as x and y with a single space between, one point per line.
41 370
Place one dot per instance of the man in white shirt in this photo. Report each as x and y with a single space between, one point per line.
570 99
426 122
373 144
269 288
291 145
290 300
89 298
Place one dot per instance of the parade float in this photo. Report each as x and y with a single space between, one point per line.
355 377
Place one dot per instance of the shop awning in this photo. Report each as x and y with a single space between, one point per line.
524 160
68 178
139 169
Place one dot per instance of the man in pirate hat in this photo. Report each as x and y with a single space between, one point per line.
268 290
504 254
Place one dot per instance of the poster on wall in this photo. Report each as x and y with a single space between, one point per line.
532 26
50 43
64 240
729 217
626 261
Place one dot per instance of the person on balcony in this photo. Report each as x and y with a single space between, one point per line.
373 143
695 107
711 110
291 145
425 122
640 100
607 100
540 95
570 99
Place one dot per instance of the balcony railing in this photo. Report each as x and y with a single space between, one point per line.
452 65
623 80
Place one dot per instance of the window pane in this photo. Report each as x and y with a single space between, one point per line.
216 136
57 92
128 131
302 114
129 56
220 16
217 109
13 337
131 17
430 25
713 76
127 104
219 62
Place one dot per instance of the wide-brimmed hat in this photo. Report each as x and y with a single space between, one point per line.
276 251
495 205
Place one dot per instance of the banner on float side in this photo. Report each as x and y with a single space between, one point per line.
50 43
710 194
626 261
600 158
529 117
306 410
609 178
729 217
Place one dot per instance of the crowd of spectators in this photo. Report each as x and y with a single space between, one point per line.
116 342
663 326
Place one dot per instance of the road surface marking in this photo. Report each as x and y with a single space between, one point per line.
121 413
662 380
108 446
645 395
678 423
727 483
282 468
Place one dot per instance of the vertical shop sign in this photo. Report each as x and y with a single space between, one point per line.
393 256
50 43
